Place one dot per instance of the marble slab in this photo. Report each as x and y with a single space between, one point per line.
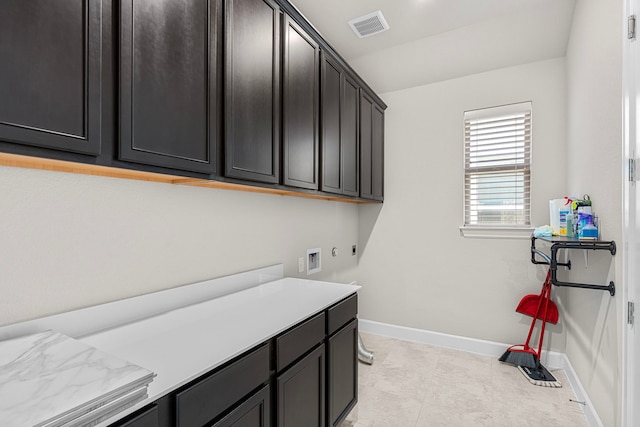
49 379
181 333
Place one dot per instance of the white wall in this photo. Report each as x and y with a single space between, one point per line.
69 241
415 268
593 319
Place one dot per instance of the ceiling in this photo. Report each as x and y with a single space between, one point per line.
433 40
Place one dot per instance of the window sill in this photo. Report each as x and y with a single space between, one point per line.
496 232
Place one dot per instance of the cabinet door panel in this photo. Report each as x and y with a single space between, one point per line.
341 313
146 418
293 344
343 372
301 391
349 136
340 172
255 412
366 108
331 151
50 77
208 398
168 83
377 153
300 101
252 90
371 149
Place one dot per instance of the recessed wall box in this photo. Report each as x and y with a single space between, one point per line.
314 264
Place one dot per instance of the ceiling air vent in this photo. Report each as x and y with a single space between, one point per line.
369 24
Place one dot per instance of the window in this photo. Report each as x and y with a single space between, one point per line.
497 160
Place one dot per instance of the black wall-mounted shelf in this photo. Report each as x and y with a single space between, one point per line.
557 243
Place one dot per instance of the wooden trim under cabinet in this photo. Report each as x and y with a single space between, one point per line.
28 162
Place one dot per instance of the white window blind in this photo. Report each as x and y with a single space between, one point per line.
497 164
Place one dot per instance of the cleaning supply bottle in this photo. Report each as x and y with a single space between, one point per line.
564 217
589 231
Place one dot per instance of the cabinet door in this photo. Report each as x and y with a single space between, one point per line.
349 136
339 130
301 73
146 418
377 152
301 392
343 372
293 344
210 397
50 77
252 90
366 109
371 149
254 412
331 151
168 95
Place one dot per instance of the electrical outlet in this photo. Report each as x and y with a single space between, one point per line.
300 265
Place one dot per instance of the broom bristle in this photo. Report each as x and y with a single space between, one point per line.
520 358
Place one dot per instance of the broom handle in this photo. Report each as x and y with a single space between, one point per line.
533 322
547 291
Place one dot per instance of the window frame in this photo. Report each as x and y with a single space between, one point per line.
493 229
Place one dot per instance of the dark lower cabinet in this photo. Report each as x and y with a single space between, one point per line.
50 74
254 412
168 83
148 417
342 375
301 392
371 148
300 88
206 399
304 377
252 90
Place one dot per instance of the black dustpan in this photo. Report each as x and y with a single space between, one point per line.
540 376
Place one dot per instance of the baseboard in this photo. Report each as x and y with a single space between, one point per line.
551 359
581 395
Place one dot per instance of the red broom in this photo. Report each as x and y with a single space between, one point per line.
522 354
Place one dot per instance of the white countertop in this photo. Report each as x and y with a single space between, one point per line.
182 344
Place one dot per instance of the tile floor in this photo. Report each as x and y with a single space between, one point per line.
411 384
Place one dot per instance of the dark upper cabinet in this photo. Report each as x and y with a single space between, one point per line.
339 129
50 74
330 101
168 84
349 132
300 75
371 148
211 88
252 90
377 152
